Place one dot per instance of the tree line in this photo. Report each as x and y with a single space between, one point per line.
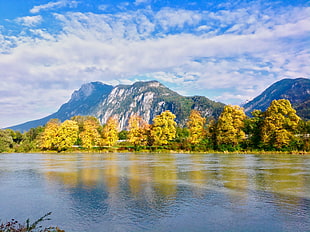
277 129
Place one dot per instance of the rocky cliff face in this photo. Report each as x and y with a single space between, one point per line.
84 100
149 99
297 91
146 99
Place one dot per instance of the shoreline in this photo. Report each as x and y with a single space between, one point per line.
165 152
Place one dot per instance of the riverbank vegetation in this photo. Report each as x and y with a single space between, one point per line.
276 129
15 226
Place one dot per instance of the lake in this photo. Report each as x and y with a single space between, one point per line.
158 192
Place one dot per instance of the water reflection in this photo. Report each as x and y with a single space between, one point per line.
163 174
153 192
287 178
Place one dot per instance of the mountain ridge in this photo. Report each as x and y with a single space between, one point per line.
297 91
146 99
150 98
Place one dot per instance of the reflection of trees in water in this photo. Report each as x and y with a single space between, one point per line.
111 173
234 173
151 183
285 177
63 170
164 175
234 177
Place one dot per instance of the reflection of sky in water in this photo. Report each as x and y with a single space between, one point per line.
158 192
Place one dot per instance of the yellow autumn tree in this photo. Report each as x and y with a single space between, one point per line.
229 128
90 135
81 119
137 130
67 135
48 139
196 127
279 124
110 132
163 128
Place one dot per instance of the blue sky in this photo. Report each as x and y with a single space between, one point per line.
228 51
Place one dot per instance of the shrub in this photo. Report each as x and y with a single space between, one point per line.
15 226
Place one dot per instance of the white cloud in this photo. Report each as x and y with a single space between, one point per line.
203 28
227 96
232 63
30 21
168 18
53 5
138 2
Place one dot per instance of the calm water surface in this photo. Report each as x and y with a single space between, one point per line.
158 192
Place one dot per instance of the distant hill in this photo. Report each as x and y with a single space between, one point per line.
297 91
146 99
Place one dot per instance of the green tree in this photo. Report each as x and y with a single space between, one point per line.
33 134
110 132
30 140
253 127
229 128
304 135
163 128
17 136
210 137
304 127
6 140
67 135
279 124
196 127
137 134
181 139
48 138
123 135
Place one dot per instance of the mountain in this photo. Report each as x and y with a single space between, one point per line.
81 102
146 99
297 91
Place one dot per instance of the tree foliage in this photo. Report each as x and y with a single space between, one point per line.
110 132
30 140
6 140
59 136
279 124
278 128
229 128
90 135
164 128
252 127
137 134
196 127
48 139
81 119
67 135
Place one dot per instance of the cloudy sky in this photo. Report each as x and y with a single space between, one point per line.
228 51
